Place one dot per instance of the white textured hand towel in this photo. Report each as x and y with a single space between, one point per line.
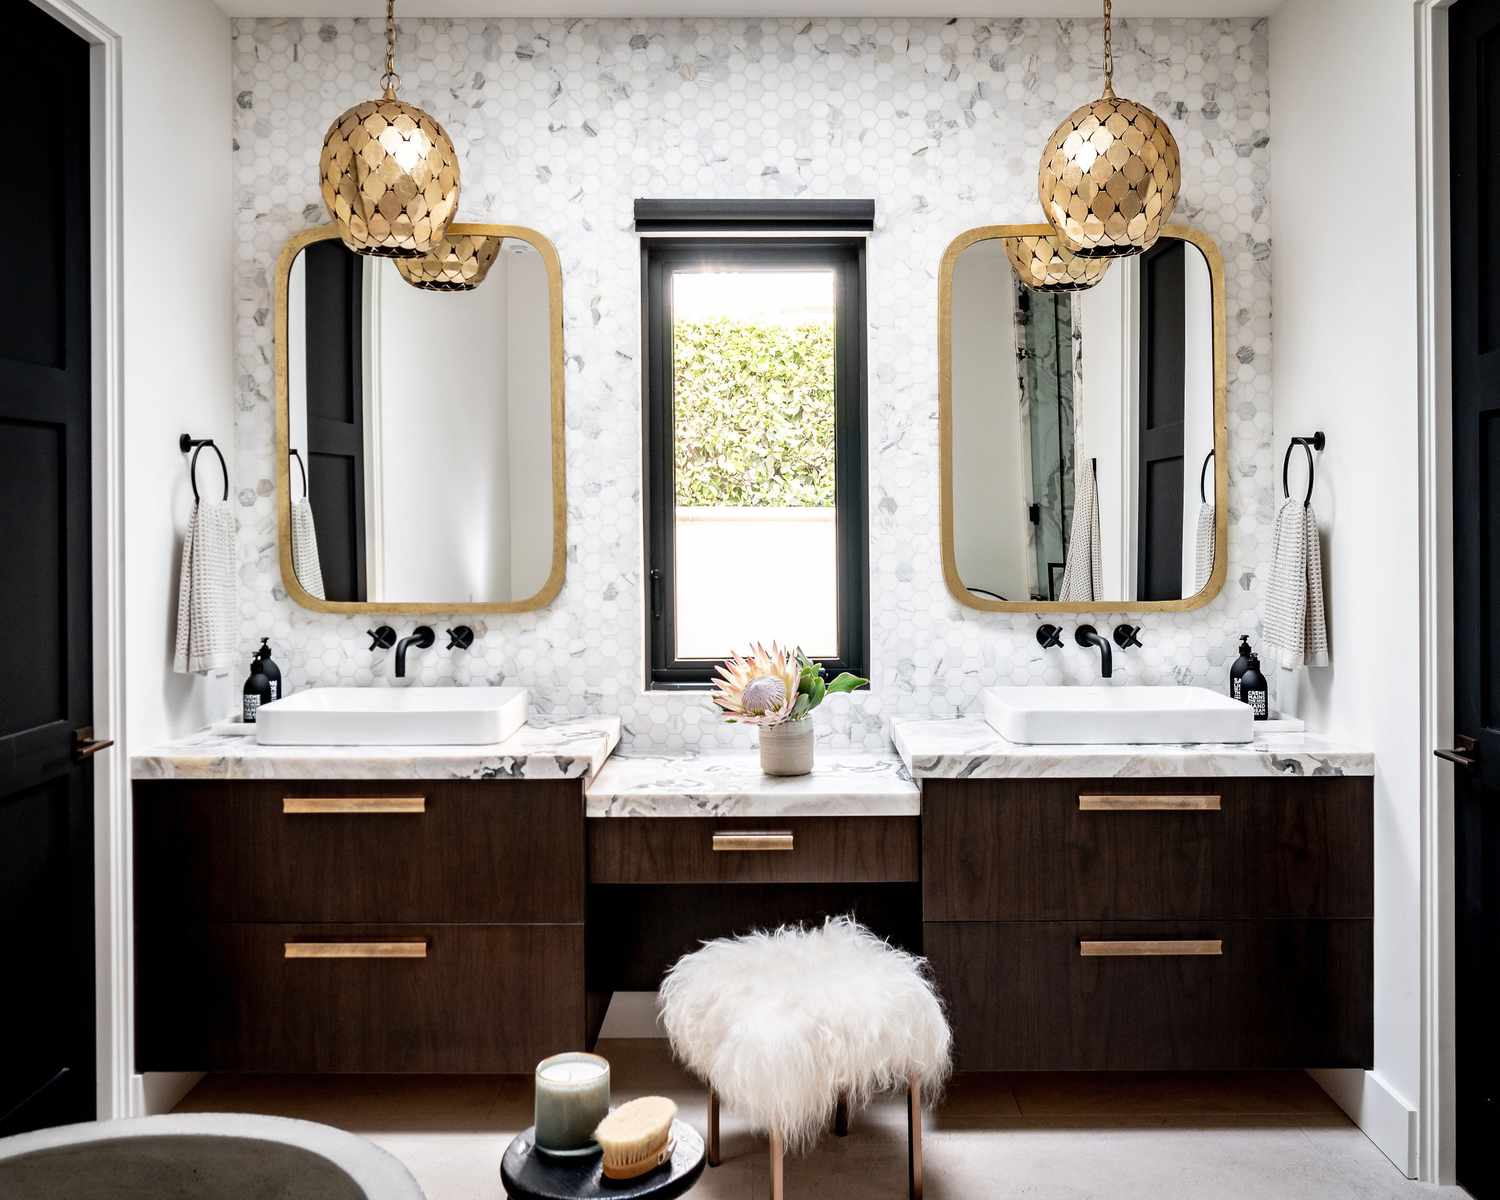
1295 630
1083 569
1203 553
207 611
305 559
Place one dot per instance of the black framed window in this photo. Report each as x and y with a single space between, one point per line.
754 414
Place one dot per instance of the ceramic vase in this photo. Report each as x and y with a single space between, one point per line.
787 749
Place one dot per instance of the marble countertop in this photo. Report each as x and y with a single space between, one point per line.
563 748
968 748
844 783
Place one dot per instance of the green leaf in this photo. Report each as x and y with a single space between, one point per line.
800 709
846 682
815 693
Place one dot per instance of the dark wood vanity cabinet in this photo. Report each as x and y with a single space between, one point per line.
440 926
1152 924
322 926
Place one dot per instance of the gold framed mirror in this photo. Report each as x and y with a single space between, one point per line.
419 426
1083 433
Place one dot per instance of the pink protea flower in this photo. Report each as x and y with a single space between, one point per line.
758 689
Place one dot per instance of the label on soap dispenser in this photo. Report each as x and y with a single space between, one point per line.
1256 698
252 706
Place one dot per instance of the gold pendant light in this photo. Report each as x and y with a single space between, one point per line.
1046 266
1110 173
456 264
389 173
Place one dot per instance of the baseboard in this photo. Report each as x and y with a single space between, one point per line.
632 1015
1384 1116
160 1091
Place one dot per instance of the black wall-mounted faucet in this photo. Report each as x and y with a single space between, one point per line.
1087 635
1127 636
1048 636
421 637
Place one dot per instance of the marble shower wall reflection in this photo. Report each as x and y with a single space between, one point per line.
1044 325
561 124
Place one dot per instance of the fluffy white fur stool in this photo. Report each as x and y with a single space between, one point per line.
792 1028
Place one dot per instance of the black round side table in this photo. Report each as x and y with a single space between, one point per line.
528 1174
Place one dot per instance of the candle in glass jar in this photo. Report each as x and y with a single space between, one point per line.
572 1097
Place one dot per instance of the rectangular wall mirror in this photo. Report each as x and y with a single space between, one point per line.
420 432
1083 437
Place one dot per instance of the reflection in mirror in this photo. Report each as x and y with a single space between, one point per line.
1081 424
422 422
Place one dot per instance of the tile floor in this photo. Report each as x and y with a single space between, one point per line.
1268 1136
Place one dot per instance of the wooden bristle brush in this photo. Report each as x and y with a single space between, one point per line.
636 1137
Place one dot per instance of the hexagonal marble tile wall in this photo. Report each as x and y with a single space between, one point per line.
561 124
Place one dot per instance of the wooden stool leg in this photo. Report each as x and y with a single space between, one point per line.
778 1188
914 1138
713 1128
841 1116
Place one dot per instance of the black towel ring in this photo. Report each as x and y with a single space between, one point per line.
1202 474
302 468
1308 444
187 442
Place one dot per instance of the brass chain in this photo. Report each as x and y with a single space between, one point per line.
1109 50
390 80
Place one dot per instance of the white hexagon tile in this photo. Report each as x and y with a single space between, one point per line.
562 124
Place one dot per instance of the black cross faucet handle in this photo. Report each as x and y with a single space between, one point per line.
1048 636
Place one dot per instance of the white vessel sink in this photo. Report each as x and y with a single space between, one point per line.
1083 716
447 716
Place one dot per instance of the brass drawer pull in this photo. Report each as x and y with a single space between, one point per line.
1094 803
354 804
1183 948
354 949
753 841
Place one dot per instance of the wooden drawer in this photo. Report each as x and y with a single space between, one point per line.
484 998
494 851
1024 996
1147 849
753 850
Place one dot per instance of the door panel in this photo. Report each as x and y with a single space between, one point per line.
32 476
1163 320
46 808
336 416
1474 33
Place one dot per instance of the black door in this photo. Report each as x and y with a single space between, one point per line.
1163 299
1475 98
46 787
336 415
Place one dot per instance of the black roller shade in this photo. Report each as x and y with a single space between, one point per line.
777 216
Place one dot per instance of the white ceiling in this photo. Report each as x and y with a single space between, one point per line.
748 8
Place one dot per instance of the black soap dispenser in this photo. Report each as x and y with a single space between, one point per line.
268 666
1241 665
1254 690
257 691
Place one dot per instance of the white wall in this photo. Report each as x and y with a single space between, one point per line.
178 327
444 428
1108 385
529 390
1345 280
1198 403
990 484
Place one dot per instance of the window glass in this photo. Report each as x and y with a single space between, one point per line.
754 464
